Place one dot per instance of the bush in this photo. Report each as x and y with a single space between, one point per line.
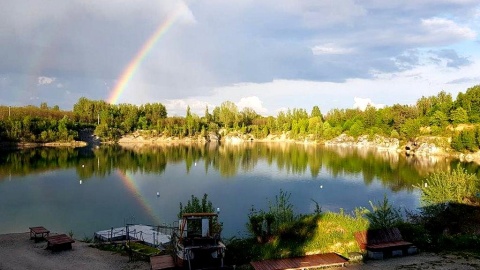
194 205
384 215
444 187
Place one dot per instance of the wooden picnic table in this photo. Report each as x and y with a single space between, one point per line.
38 232
59 242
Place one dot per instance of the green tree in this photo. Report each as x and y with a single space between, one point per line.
195 205
469 141
438 119
470 101
459 116
316 112
457 143
410 128
356 129
228 114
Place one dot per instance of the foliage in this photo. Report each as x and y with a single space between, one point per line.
383 215
443 187
312 233
280 212
110 121
255 223
443 226
195 205
281 209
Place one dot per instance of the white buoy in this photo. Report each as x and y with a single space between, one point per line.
195 163
83 166
80 181
158 194
321 186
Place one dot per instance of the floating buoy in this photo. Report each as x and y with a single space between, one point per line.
158 194
80 181
195 163
321 186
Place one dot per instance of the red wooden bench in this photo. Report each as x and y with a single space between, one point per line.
384 243
59 242
38 233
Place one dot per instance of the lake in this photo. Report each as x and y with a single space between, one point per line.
86 190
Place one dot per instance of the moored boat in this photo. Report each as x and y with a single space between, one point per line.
197 241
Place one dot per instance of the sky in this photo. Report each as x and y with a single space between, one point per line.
268 55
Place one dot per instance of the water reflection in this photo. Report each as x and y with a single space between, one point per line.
392 169
92 189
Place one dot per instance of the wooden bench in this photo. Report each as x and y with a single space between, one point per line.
38 233
384 243
59 242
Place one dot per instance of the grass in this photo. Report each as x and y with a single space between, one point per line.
335 234
139 250
144 249
308 234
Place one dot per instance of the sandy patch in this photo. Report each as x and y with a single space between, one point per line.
17 251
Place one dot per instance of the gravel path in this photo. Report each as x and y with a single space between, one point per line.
17 251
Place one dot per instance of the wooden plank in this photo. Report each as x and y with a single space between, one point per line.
161 262
305 262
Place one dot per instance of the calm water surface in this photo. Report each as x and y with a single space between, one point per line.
86 190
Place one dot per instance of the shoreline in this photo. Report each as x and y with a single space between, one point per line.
425 149
18 251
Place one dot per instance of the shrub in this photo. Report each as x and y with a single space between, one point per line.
384 215
194 205
281 209
443 187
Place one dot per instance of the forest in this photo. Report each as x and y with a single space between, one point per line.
438 115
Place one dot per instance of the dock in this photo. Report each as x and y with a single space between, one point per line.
150 235
305 262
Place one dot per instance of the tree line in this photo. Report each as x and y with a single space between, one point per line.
438 115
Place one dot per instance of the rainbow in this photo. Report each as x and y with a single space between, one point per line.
131 185
133 65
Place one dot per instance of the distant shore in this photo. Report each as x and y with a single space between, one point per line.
139 140
24 145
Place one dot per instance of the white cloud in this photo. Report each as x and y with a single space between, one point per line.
362 103
330 48
440 30
178 107
45 80
316 13
252 102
